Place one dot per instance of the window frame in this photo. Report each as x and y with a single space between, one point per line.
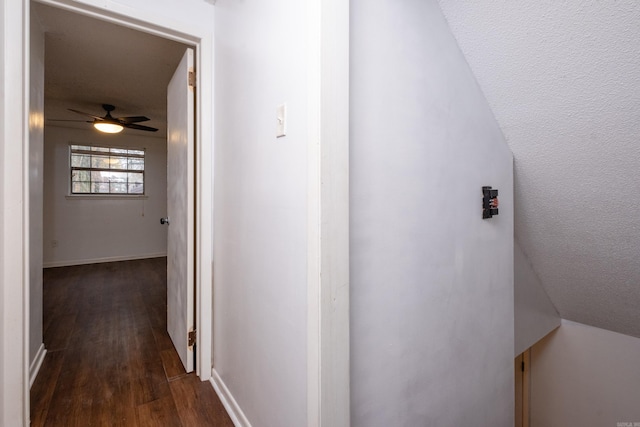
107 152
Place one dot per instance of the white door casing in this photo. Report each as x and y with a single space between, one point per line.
180 210
175 22
328 375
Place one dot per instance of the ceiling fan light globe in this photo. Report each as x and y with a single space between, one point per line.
107 127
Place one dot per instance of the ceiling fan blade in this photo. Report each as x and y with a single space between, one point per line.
133 119
86 114
139 127
66 120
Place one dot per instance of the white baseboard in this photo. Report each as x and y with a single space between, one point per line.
36 364
100 260
230 404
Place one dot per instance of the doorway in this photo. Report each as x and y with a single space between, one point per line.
94 213
93 217
198 39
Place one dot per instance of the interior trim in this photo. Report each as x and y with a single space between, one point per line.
233 409
34 369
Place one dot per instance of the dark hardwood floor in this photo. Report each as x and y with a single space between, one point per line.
110 361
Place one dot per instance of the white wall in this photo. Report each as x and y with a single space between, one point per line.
36 194
431 281
94 230
585 376
260 219
534 313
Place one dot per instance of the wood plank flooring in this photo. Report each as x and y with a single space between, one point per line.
110 361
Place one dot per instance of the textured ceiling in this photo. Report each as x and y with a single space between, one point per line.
563 80
90 62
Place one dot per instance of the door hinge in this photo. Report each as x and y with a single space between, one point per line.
192 338
192 78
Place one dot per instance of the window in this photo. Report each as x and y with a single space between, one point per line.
105 170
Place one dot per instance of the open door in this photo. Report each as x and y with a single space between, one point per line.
180 210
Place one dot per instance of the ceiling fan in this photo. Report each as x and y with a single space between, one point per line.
110 124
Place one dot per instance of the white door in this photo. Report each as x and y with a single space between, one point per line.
180 210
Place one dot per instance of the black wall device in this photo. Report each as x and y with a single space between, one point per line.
489 202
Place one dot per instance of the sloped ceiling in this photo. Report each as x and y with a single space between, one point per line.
89 62
563 80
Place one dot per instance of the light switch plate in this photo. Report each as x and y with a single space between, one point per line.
281 117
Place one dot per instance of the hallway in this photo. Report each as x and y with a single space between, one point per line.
110 361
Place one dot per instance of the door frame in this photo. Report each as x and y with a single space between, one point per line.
328 339
202 43
14 223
